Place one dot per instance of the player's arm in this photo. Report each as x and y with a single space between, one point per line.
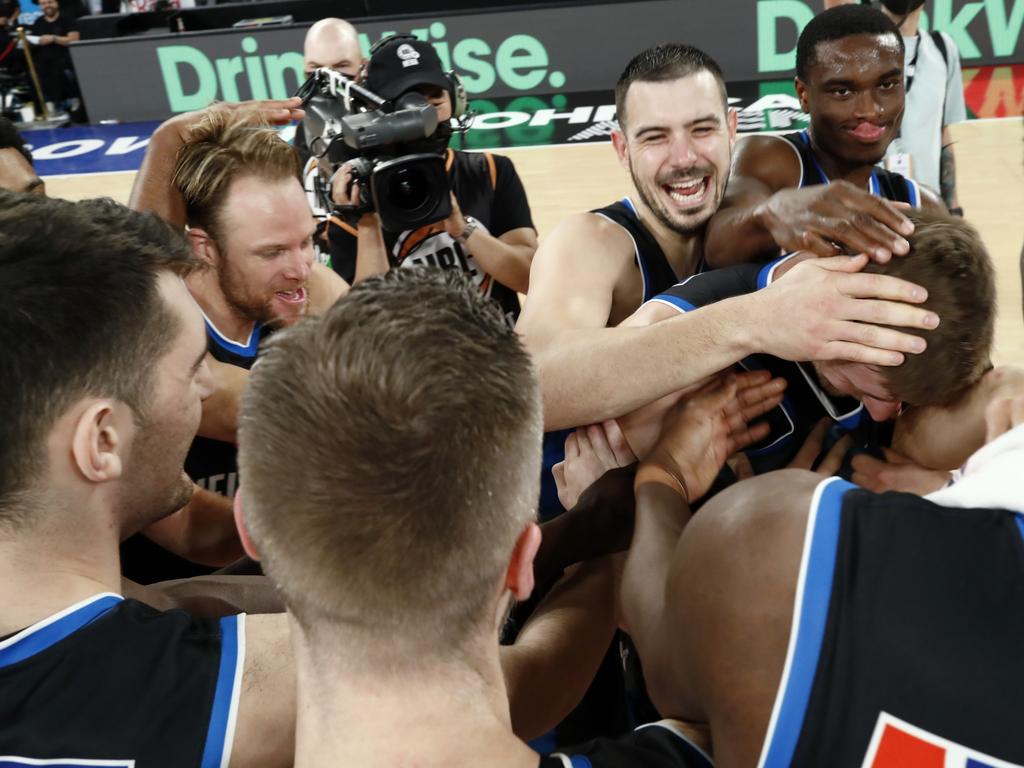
209 596
765 212
220 409
203 531
154 190
325 287
557 653
367 238
265 730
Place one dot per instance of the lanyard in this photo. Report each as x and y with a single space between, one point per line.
873 186
912 66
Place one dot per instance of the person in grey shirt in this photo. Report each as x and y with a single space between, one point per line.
934 101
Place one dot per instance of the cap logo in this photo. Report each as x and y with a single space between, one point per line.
410 56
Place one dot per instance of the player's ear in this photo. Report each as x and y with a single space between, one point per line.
98 441
203 246
243 532
801 94
621 148
519 577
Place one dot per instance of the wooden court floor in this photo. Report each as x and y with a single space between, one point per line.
565 179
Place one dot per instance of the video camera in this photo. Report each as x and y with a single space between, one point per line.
393 149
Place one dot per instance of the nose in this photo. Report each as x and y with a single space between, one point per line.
300 264
867 105
683 153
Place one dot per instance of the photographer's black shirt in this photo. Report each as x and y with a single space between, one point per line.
487 188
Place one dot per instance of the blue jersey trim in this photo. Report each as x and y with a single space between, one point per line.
811 616
246 350
915 193
1019 518
629 204
219 733
580 761
767 273
51 631
681 304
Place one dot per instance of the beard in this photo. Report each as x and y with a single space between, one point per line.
695 222
250 307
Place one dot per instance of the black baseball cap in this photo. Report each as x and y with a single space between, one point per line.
401 64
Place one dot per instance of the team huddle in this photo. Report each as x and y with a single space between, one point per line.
735 486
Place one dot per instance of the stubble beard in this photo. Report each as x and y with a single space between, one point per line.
696 225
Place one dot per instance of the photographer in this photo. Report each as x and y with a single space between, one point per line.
489 233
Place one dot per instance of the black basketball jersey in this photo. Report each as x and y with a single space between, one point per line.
884 183
657 745
116 681
805 401
907 633
655 271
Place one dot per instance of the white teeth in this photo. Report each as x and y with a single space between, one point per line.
680 197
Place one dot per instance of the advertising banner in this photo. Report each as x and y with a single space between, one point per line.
501 54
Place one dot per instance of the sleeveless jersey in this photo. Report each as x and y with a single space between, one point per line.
907 636
657 745
116 681
655 271
883 183
805 401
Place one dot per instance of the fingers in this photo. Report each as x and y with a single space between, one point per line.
621 451
599 444
875 336
867 472
741 466
756 400
834 458
874 286
572 445
895 313
746 436
809 451
859 353
818 245
843 263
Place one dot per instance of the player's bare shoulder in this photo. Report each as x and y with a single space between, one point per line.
772 160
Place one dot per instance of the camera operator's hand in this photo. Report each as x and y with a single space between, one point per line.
456 223
371 253
345 192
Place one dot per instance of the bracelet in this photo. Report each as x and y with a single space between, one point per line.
471 227
653 473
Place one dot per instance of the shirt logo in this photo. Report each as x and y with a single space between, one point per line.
410 56
897 744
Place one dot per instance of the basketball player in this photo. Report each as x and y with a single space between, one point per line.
814 623
235 184
795 192
949 260
596 269
387 368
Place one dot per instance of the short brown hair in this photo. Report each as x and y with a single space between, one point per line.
949 260
670 61
82 317
222 147
390 457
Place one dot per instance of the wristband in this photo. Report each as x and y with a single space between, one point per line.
957 212
653 473
471 227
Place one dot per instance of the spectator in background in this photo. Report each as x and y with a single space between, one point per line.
934 101
56 31
16 172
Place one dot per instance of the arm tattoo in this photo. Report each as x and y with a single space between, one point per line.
947 176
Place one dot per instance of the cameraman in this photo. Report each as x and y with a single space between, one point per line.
489 234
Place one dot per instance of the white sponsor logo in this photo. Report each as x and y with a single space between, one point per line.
410 56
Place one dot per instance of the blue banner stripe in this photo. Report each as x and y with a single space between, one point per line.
222 699
811 628
53 633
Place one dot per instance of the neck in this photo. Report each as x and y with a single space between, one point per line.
910 24
683 251
837 169
205 289
54 564
450 714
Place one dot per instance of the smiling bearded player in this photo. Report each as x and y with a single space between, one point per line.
795 191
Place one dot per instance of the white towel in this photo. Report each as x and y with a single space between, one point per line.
993 478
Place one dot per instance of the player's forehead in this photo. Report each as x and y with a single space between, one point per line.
673 102
16 174
857 57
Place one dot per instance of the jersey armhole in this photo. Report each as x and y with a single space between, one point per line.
799 157
220 734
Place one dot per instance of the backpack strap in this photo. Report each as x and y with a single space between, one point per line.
940 43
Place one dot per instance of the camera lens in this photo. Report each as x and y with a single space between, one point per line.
408 189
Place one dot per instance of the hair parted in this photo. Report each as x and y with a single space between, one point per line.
669 61
222 147
839 23
390 457
949 260
82 317
11 139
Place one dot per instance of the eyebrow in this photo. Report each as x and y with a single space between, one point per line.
709 118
